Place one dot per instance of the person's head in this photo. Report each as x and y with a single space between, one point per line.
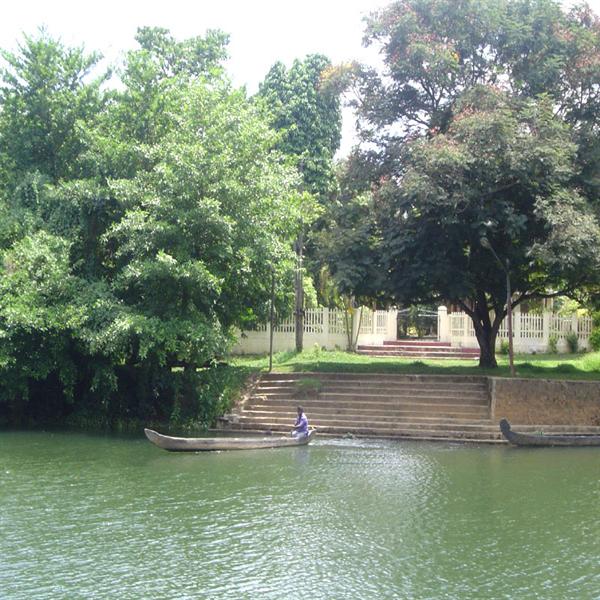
300 410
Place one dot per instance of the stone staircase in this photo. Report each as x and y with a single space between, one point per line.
419 407
411 407
420 348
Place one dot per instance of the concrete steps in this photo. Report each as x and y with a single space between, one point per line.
373 386
418 349
351 421
374 405
373 399
411 407
445 411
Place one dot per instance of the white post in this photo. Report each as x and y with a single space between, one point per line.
325 341
392 325
355 326
517 328
443 324
545 330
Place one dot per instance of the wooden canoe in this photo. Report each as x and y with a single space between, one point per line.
179 444
538 439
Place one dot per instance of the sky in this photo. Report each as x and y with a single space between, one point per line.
262 31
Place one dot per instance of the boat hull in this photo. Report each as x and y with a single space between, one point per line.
180 444
526 439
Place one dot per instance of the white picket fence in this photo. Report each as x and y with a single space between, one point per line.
327 328
322 326
531 332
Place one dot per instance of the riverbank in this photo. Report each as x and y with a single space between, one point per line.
367 396
461 408
224 385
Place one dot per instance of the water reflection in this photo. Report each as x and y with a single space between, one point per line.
98 517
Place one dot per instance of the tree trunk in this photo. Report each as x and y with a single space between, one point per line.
487 348
187 398
299 308
350 309
486 331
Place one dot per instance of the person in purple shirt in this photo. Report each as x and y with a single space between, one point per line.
301 424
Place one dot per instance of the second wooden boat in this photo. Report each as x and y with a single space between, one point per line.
180 444
538 439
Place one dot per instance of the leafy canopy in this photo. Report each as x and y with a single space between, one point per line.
482 123
142 222
308 115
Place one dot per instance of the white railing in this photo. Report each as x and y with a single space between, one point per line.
323 326
327 328
381 322
531 332
337 322
366 321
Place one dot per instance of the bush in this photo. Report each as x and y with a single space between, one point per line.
595 335
572 342
504 347
595 338
552 344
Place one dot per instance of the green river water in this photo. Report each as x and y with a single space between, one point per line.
84 516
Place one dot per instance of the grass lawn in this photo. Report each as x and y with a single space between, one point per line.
542 366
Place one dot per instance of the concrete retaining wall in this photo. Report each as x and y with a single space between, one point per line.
545 402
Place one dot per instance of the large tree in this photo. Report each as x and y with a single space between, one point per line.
46 94
124 272
483 124
307 114
501 175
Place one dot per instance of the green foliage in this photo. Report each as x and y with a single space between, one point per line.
46 98
564 306
591 361
505 168
308 115
481 127
417 321
155 77
226 205
552 344
136 234
572 340
348 245
215 391
504 347
595 339
434 50
595 334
